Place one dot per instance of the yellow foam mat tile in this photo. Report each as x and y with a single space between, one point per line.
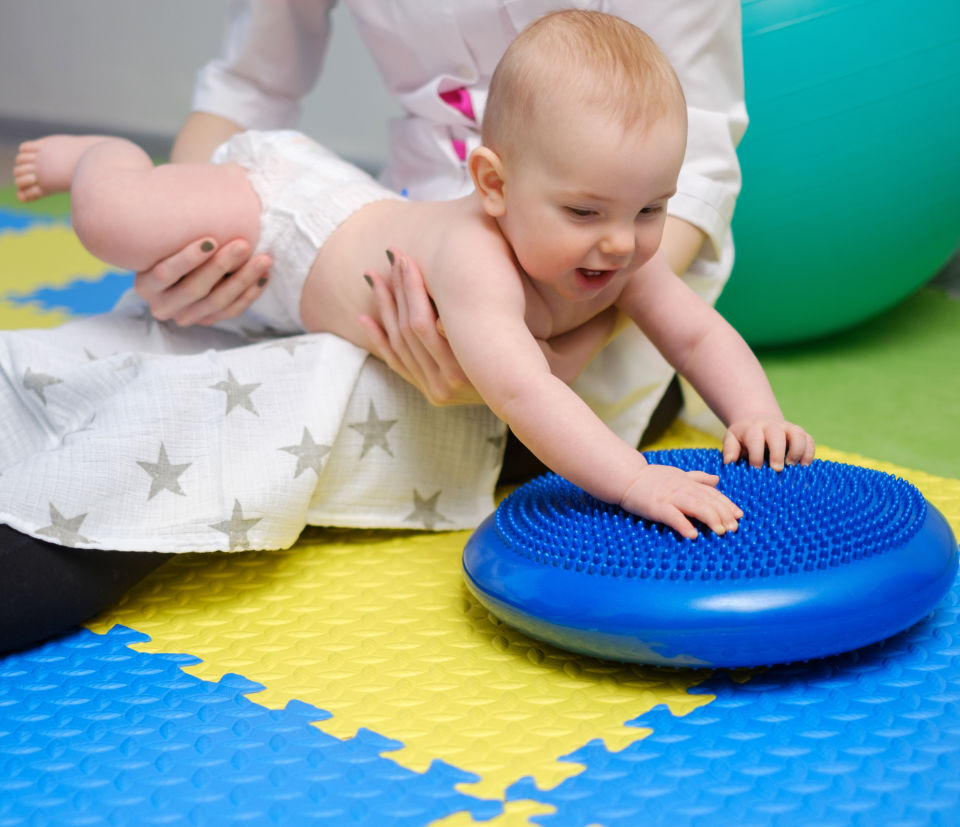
44 255
378 628
16 316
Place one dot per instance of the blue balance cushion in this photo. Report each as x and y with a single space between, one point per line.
828 557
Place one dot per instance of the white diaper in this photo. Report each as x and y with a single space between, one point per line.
305 192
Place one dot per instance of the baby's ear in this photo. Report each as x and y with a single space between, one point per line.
487 172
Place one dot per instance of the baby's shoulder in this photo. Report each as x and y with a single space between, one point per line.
474 245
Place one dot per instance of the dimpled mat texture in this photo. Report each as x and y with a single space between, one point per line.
353 680
802 519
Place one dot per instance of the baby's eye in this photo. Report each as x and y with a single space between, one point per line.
653 209
581 212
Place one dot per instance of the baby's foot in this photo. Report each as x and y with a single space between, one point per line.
46 165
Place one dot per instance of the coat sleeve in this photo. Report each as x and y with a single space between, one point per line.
272 54
703 40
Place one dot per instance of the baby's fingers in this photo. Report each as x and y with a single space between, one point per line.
731 447
802 447
776 440
674 518
704 478
711 508
754 442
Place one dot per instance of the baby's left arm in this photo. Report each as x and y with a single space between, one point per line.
704 348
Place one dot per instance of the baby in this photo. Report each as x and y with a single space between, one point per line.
583 137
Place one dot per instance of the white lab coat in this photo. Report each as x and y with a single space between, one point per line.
274 50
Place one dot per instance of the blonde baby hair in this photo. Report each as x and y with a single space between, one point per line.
596 61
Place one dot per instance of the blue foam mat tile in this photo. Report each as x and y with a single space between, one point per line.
81 297
93 732
16 220
863 739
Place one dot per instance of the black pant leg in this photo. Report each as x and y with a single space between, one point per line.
46 589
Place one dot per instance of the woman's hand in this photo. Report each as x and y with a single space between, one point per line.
409 338
204 285
409 335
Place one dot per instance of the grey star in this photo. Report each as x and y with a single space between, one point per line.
147 318
374 431
39 382
65 531
236 527
497 442
308 453
266 332
80 430
425 511
132 361
290 343
164 474
237 395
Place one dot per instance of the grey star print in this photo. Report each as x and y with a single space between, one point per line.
39 382
266 332
290 344
236 527
238 396
132 361
147 318
164 475
374 431
425 511
498 443
64 530
308 453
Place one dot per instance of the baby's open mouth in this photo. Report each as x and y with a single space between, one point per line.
593 274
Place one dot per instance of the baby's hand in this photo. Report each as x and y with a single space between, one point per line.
668 495
784 441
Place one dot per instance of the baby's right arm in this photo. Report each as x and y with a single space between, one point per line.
483 313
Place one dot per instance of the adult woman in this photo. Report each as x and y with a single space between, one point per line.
438 64
437 61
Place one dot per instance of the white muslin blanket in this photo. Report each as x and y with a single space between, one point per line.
121 432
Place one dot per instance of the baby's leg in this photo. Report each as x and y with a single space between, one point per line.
130 213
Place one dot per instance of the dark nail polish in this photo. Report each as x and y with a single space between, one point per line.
368 280
207 246
390 257
261 281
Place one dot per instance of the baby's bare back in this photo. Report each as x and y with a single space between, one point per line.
449 241
336 294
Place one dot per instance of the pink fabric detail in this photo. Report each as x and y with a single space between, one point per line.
459 99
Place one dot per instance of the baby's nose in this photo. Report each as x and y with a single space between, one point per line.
620 243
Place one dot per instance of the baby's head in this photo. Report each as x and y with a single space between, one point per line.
580 64
583 136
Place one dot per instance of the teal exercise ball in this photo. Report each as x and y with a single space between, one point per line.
851 162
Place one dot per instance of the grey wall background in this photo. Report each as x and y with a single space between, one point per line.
127 66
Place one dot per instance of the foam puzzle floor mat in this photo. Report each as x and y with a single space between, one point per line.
353 680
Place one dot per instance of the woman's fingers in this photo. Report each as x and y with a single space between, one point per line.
194 283
164 274
230 296
380 347
406 337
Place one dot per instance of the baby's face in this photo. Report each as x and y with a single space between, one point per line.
586 201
